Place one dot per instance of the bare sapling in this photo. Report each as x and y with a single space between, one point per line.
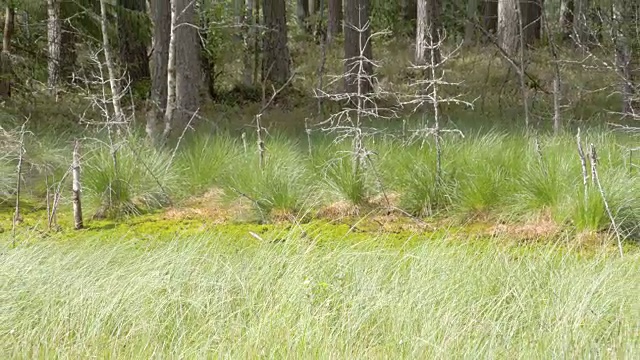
76 187
260 130
583 163
596 181
16 215
360 104
428 91
307 130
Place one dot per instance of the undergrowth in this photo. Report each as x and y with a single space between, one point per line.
487 175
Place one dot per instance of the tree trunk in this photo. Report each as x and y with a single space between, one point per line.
302 14
508 26
531 20
275 66
171 73
250 19
133 48
357 45
189 72
5 60
161 15
428 31
334 23
54 38
469 26
113 80
490 16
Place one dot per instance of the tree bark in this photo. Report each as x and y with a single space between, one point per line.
428 31
334 23
161 15
5 60
357 45
113 80
275 66
54 39
508 33
189 72
133 48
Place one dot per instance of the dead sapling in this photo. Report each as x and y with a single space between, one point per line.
428 91
76 187
260 130
596 180
360 104
17 218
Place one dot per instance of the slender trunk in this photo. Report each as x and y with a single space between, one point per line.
77 205
54 32
469 27
334 23
6 67
171 74
250 17
113 81
161 15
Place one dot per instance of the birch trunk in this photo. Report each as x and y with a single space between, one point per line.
171 74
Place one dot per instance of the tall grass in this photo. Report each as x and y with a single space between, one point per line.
228 297
485 175
134 179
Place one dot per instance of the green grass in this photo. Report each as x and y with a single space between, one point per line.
213 295
485 175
